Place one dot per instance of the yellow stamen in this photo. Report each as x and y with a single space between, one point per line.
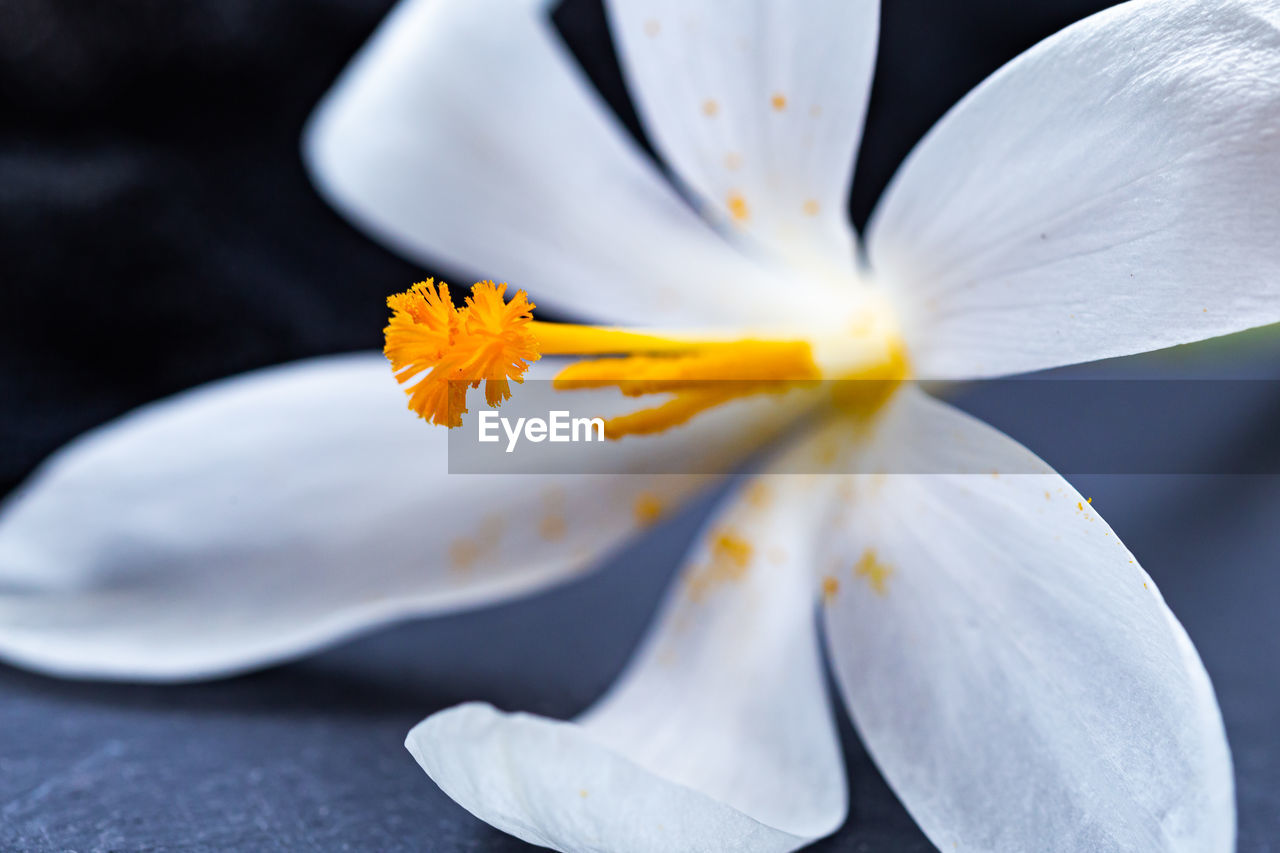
700 376
438 352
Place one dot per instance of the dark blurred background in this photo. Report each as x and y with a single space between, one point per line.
157 231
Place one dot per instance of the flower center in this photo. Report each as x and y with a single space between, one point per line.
438 352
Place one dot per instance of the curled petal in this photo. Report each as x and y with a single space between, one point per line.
718 736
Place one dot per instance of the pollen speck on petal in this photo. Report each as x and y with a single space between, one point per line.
553 527
874 571
737 207
730 548
731 557
463 554
647 508
778 101
830 587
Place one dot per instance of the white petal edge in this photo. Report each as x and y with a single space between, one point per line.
705 77
719 735
258 518
464 134
1018 679
1111 191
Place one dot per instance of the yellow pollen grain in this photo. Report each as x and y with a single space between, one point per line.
710 108
731 548
652 27
778 101
463 554
1088 500
552 527
737 207
733 161
811 207
875 572
729 560
828 453
647 508
758 495
1079 506
830 586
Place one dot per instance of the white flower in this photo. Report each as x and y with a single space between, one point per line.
1010 667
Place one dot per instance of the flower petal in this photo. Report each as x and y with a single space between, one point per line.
463 133
260 517
718 736
1011 669
759 107
1111 191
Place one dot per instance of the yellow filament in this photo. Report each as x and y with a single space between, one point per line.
699 375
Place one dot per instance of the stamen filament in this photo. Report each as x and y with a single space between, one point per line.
439 351
570 339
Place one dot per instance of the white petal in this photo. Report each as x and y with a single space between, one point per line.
705 77
1113 190
260 517
719 736
463 133
1017 676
